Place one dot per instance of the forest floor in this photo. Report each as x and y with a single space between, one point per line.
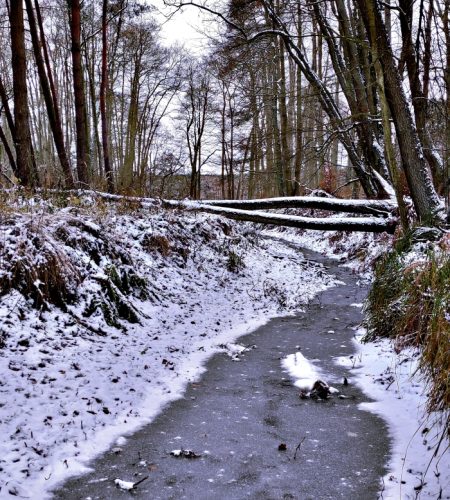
107 314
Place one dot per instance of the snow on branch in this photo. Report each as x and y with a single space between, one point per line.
371 207
366 224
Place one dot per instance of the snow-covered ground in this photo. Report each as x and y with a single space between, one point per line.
78 377
72 384
399 393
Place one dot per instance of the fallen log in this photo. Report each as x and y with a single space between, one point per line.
384 208
371 207
366 224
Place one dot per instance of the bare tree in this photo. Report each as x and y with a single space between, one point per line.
49 96
195 108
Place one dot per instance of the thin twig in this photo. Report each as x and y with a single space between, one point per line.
140 481
298 447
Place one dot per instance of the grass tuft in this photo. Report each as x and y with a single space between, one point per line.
410 303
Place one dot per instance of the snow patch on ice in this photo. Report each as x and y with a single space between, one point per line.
302 370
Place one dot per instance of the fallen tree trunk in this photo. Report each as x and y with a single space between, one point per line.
386 208
371 207
366 224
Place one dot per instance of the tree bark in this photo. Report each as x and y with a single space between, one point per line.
24 155
418 91
7 110
8 151
298 114
425 199
104 119
79 94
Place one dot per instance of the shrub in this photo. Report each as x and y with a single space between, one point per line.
38 269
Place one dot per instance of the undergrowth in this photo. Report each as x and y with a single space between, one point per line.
75 259
410 303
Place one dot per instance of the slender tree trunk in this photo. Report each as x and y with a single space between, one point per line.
389 147
298 114
53 115
419 91
446 23
8 151
7 110
103 87
284 123
223 139
79 94
90 66
24 155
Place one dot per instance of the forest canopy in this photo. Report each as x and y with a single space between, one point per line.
288 96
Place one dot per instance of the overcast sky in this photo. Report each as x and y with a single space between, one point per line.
184 27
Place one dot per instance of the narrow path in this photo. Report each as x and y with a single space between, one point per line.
236 416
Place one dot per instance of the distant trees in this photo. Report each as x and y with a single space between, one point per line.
345 62
95 95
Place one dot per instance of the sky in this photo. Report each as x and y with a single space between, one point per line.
182 27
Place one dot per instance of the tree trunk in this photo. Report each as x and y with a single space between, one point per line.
7 110
370 183
371 207
366 224
425 199
418 93
8 151
53 115
24 155
103 87
446 23
284 123
79 95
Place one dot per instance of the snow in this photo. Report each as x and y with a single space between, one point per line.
399 393
73 385
235 350
305 373
377 224
302 370
315 201
124 485
357 250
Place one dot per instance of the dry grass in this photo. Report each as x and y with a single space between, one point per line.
411 304
157 242
38 269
